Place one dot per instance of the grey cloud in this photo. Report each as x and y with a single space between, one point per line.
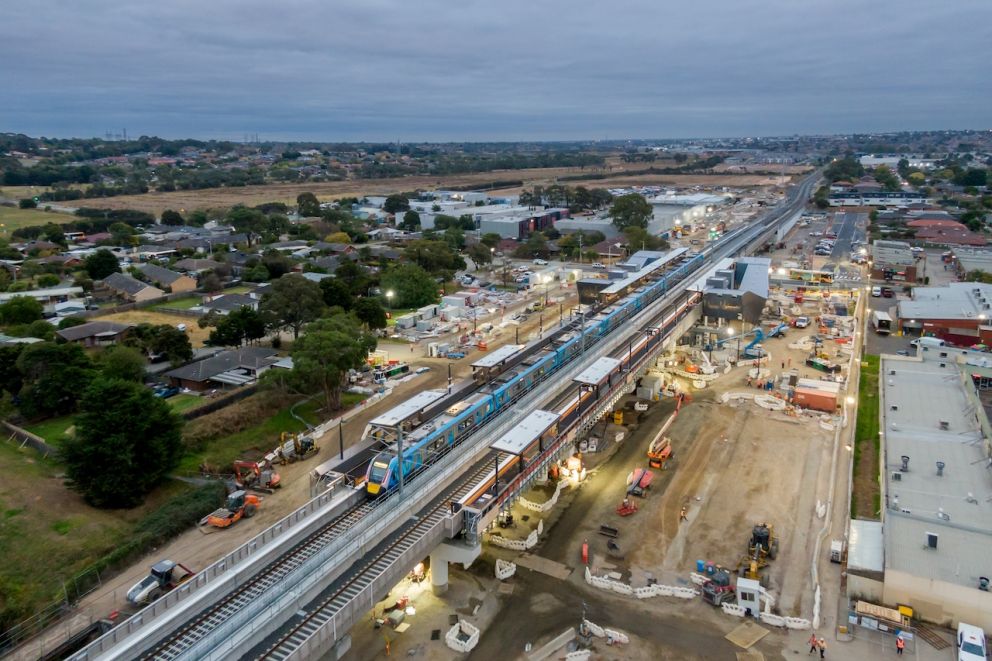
545 69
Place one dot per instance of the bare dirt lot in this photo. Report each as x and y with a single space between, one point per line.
252 195
197 335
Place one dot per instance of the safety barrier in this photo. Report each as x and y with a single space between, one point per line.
546 505
578 655
770 403
505 569
645 592
463 637
612 636
519 544
733 609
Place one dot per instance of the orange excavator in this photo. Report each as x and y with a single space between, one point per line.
255 476
239 504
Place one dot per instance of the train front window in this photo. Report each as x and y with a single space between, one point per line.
379 471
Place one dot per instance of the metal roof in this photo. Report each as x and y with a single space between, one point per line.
498 356
864 547
620 285
595 373
409 408
526 432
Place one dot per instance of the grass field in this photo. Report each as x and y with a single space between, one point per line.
48 534
181 402
14 218
184 303
252 442
52 429
866 490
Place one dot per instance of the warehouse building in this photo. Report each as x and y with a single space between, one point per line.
680 211
893 260
520 222
958 313
735 289
936 523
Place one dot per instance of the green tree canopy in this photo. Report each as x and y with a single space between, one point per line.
241 326
126 442
20 310
54 377
101 264
161 340
490 239
171 217
251 222
292 301
411 221
641 239
336 292
434 256
122 362
324 353
480 253
355 276
411 285
370 312
307 205
396 203
630 210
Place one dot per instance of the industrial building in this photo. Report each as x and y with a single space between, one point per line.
966 261
671 211
735 289
518 222
958 312
893 260
598 223
936 519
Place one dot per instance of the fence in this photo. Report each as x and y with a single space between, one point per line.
220 402
27 438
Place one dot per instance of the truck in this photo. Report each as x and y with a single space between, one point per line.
881 322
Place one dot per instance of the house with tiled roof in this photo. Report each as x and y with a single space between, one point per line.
236 367
166 278
118 285
95 333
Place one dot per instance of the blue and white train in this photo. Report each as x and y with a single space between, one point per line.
447 430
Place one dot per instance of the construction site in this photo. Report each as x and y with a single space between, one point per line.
712 476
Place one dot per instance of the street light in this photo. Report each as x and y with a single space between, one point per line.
389 298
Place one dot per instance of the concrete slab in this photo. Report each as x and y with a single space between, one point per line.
545 566
747 634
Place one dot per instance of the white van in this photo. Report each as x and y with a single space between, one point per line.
971 643
928 342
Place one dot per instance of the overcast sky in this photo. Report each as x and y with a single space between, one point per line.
492 69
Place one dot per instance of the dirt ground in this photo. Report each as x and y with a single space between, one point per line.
197 336
252 195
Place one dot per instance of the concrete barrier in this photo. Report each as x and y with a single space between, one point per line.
463 637
505 569
546 505
612 636
733 609
578 655
798 623
645 592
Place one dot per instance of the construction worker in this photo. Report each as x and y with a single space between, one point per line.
813 644
683 513
900 644
822 644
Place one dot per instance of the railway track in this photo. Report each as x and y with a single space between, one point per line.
362 577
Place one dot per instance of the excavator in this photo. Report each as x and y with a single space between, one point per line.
751 350
255 476
239 504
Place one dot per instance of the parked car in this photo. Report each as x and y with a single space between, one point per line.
598 265
166 391
422 370
802 322
887 292
876 291
541 262
970 643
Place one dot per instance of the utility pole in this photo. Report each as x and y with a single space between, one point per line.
399 456
341 438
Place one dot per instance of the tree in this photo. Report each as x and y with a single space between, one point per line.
336 293
251 222
101 264
324 354
122 362
48 280
55 376
847 168
242 326
27 203
490 239
972 177
396 203
121 234
69 322
55 234
480 254
370 312
126 441
276 263
355 276
338 237
641 239
293 301
411 285
211 283
40 329
20 310
411 221
434 256
170 217
630 210
307 205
